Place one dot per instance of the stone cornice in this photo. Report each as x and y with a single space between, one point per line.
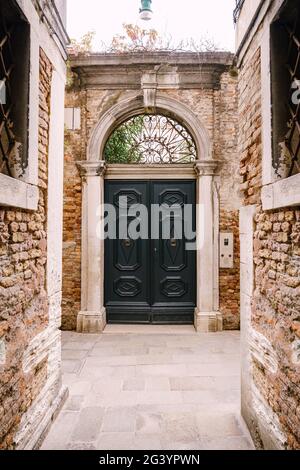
100 168
91 168
151 171
132 59
206 167
128 71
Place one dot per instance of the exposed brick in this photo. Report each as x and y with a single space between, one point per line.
23 305
230 278
276 299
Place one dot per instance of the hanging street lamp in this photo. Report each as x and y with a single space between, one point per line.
145 11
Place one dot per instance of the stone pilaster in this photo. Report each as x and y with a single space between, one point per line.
92 317
207 317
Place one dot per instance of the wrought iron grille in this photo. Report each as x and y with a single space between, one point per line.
149 139
292 140
7 137
238 7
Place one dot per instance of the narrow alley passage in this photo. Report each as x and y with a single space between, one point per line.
150 387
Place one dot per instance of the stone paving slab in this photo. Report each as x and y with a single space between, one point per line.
150 388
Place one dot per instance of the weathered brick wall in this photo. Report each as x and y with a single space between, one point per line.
275 323
23 299
230 278
275 314
217 109
250 129
226 151
72 220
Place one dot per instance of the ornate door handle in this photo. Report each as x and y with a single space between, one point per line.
173 242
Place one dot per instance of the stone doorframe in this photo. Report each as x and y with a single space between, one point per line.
94 171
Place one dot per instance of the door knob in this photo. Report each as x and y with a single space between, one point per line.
173 242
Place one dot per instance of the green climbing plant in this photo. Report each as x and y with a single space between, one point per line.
120 146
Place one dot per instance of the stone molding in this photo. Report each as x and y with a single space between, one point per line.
173 70
130 107
283 193
92 316
207 315
149 86
91 322
167 58
208 322
91 168
206 167
150 171
16 193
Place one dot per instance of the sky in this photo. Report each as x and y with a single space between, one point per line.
180 19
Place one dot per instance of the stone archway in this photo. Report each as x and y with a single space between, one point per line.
137 105
92 317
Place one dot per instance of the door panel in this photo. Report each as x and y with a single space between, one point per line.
151 280
174 276
127 252
127 276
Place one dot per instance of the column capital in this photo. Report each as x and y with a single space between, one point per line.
206 167
91 168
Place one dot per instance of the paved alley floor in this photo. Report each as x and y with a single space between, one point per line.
150 388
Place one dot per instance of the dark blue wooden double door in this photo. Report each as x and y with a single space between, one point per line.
150 260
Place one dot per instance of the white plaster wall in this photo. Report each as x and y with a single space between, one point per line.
55 186
62 8
247 287
266 12
248 10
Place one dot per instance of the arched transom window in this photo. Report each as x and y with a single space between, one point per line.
149 139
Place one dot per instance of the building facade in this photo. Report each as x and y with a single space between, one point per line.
197 95
32 74
268 61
